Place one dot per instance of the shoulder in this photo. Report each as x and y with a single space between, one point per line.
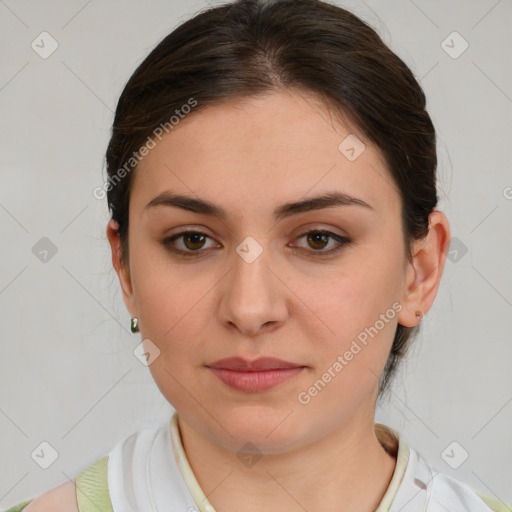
89 484
58 499
441 490
455 493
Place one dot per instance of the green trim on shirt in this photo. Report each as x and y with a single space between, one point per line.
19 507
494 504
92 488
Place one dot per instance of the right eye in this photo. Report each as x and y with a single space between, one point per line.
192 241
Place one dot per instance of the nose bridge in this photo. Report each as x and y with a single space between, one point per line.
252 296
251 277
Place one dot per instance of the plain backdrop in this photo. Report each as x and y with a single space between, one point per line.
68 375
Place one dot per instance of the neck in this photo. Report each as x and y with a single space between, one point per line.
346 470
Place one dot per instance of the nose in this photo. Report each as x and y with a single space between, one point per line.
254 297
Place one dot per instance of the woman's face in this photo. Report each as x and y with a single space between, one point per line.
251 285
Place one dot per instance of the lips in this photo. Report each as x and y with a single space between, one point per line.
254 376
258 365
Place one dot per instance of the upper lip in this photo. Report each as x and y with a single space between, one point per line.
260 364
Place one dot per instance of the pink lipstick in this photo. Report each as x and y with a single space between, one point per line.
254 376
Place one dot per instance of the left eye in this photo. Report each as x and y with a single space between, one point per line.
319 239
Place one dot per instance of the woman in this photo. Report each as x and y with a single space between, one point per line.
272 183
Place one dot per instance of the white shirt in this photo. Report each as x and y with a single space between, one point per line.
144 476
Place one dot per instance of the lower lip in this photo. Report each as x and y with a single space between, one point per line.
254 382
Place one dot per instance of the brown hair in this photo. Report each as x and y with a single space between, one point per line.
249 47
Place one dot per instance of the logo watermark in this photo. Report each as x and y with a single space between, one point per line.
304 397
137 156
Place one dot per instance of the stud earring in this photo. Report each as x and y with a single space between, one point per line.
419 315
135 325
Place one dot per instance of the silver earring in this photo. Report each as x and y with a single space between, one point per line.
135 325
419 315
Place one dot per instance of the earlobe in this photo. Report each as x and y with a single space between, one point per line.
122 272
424 272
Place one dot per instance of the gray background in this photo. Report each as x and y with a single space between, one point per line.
68 374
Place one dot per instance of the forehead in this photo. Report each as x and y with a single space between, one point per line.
265 149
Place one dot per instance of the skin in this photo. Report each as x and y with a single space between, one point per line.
250 156
60 499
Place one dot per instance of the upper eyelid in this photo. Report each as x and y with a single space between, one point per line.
302 233
304 230
176 236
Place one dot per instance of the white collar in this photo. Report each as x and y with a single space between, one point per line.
142 476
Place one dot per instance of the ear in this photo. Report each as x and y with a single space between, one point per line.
423 275
123 273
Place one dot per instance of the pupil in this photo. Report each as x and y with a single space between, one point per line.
318 238
194 237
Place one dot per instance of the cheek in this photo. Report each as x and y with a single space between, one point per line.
163 291
359 311
350 359
174 307
351 301
173 312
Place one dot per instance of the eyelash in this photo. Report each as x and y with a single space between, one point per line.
342 241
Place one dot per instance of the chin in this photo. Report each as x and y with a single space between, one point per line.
271 430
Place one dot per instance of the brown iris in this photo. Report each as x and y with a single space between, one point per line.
316 238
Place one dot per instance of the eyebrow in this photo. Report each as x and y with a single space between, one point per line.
205 207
